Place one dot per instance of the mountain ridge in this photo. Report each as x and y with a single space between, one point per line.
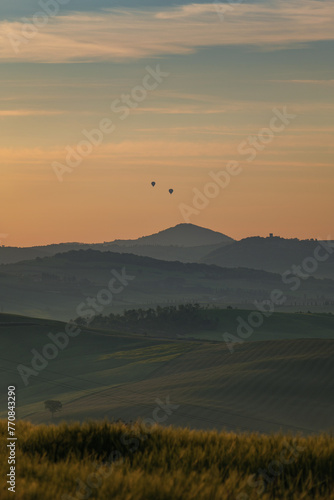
185 234
167 244
273 254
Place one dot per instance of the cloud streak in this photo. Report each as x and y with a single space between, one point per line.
133 34
19 113
148 151
306 82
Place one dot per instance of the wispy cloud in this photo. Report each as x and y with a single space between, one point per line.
188 110
145 151
120 35
306 82
14 113
192 10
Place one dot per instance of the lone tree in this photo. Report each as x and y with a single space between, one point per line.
53 406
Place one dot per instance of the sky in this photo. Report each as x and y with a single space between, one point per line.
230 104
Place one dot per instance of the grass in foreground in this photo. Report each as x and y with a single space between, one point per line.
114 461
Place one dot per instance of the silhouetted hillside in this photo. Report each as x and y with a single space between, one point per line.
54 286
271 254
183 235
184 242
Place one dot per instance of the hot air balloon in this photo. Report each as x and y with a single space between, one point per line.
171 191
153 183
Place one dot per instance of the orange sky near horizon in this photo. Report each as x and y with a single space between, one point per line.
103 209
109 196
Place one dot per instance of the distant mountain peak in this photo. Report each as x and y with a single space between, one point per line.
182 235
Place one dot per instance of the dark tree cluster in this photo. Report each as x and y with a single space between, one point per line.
187 317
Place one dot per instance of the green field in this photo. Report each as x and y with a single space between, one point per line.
276 326
263 386
211 323
114 461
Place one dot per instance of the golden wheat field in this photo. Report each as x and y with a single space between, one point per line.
100 460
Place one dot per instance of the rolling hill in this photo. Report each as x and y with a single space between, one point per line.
263 386
274 254
184 242
189 243
57 286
